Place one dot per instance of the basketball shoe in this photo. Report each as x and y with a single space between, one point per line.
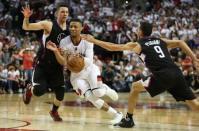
55 116
126 123
27 94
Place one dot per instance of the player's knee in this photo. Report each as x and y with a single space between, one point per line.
195 108
98 103
38 91
57 102
59 93
99 92
137 87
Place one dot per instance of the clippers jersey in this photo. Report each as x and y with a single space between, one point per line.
45 57
155 54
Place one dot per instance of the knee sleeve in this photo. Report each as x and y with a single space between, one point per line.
98 103
99 92
59 93
38 90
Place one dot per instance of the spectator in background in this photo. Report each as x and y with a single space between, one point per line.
108 76
173 19
13 79
3 79
27 56
98 62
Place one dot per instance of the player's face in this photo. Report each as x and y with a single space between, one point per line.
75 28
62 14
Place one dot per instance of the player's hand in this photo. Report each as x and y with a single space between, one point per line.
51 46
26 11
88 37
61 51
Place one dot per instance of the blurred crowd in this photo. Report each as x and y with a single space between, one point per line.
106 20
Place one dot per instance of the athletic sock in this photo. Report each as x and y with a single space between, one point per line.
55 108
128 115
112 111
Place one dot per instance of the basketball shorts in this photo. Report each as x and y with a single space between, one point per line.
171 80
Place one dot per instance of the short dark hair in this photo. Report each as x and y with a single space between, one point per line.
76 20
61 4
146 28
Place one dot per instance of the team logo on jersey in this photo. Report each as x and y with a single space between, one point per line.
60 37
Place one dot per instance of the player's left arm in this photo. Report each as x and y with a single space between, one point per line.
184 47
52 46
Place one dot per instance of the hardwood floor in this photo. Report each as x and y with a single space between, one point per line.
161 113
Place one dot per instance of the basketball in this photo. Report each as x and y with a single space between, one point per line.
75 63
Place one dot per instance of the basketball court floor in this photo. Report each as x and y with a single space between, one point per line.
161 113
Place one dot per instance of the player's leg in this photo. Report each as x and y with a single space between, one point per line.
83 89
38 86
98 88
193 104
153 87
56 81
128 122
108 91
137 87
182 92
102 105
59 96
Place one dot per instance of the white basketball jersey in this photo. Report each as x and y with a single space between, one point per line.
84 48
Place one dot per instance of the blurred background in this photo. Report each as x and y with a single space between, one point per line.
110 20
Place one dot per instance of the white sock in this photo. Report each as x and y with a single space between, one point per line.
112 111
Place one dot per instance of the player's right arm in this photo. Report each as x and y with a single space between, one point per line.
42 25
134 46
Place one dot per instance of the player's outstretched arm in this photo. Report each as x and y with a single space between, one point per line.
185 48
108 45
42 25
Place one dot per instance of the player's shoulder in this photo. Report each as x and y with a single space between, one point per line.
87 42
147 39
66 39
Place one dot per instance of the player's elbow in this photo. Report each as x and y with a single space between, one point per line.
24 27
180 43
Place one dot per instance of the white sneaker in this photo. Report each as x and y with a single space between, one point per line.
111 93
117 118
